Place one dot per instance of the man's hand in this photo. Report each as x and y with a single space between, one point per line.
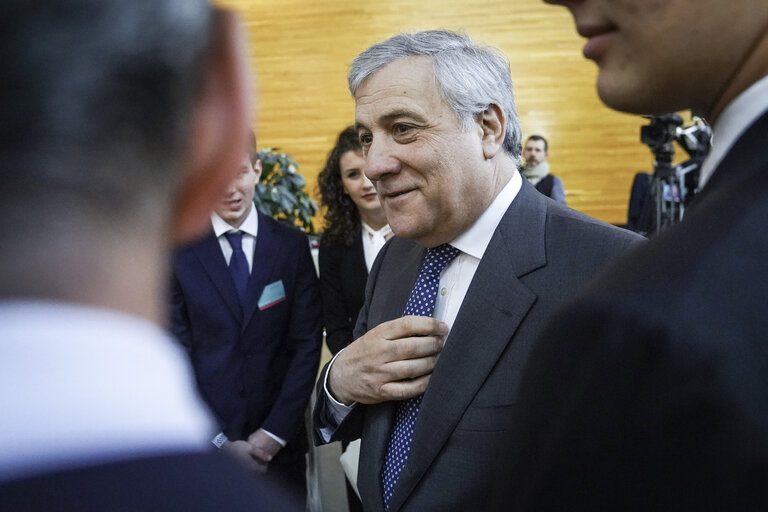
263 446
242 451
392 361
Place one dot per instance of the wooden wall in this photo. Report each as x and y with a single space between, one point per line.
301 50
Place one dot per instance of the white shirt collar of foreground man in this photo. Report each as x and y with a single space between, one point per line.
735 119
89 385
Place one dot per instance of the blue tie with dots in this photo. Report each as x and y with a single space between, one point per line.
238 264
421 303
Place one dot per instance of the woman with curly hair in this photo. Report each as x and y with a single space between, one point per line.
355 229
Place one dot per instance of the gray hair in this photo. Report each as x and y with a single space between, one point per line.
471 77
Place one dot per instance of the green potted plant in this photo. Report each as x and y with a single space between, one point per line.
280 191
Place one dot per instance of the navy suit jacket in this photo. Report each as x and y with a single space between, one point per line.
184 482
255 365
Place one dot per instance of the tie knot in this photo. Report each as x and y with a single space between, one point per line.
438 257
235 240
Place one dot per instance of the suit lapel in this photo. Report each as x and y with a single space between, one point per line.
493 308
265 254
208 252
398 281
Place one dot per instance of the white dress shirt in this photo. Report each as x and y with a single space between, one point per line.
456 277
82 385
373 241
732 123
249 230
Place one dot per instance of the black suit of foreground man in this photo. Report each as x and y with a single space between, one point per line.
650 393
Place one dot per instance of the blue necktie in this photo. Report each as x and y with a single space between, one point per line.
238 265
422 303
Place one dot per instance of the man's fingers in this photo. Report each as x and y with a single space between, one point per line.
408 326
411 368
404 389
367 366
413 348
258 466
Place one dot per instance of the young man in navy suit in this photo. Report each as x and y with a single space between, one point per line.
245 304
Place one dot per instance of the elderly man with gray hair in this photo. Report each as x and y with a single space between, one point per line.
453 303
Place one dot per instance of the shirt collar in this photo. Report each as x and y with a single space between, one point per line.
250 225
735 119
384 231
475 240
90 357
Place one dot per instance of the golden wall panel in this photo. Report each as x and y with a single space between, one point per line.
301 50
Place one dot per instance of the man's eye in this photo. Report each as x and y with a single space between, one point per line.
402 129
366 139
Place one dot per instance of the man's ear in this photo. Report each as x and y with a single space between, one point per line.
219 132
257 169
492 123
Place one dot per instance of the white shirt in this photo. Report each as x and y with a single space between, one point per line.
249 229
82 385
456 277
373 241
732 123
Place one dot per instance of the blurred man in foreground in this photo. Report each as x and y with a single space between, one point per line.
650 393
122 122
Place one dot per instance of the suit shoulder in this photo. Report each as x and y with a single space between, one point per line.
561 218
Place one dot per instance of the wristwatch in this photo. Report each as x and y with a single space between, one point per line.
219 440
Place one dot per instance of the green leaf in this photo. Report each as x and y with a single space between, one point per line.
280 192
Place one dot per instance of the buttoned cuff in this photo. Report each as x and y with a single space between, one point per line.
337 409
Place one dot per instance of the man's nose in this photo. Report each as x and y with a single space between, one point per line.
380 161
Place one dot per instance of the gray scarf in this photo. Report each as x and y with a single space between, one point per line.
535 173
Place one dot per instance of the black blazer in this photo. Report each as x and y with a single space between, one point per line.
194 482
342 285
539 256
652 392
255 365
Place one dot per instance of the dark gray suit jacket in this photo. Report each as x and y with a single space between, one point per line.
538 258
665 363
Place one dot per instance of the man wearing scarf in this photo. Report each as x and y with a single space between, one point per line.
536 169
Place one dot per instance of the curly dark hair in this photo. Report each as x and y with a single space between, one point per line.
342 220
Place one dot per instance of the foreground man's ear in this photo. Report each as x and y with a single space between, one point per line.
219 131
492 123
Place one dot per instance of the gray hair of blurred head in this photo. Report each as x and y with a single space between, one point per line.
96 99
471 77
